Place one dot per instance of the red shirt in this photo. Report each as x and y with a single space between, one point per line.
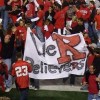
87 40
14 4
21 32
30 10
40 2
92 87
21 69
60 19
40 14
90 60
74 24
78 14
97 19
65 9
85 13
92 84
2 3
47 4
17 3
4 70
48 33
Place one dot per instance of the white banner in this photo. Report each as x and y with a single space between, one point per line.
58 57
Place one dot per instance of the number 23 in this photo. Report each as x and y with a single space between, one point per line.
21 71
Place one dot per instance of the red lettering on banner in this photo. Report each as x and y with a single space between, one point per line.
64 47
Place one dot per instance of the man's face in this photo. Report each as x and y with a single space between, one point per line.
91 69
79 22
98 11
21 23
7 38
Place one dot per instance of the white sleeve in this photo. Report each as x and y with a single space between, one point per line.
45 27
36 3
0 20
35 19
58 1
18 18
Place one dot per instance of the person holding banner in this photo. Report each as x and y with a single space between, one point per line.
91 81
20 70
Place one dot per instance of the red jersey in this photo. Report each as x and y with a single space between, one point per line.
85 13
74 24
40 2
14 4
2 3
21 32
92 87
47 4
48 33
92 83
60 19
40 14
65 9
30 12
21 69
78 14
90 60
97 19
4 70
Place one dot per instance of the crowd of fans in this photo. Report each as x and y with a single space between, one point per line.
45 17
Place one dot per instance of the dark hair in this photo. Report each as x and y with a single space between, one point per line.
90 50
97 50
58 5
19 55
78 6
92 2
41 7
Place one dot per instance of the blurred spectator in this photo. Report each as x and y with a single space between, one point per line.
96 61
21 36
86 37
48 28
79 27
4 7
6 53
30 10
15 9
49 14
39 23
85 14
59 17
78 12
92 33
3 74
47 4
70 11
97 24
91 81
90 57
